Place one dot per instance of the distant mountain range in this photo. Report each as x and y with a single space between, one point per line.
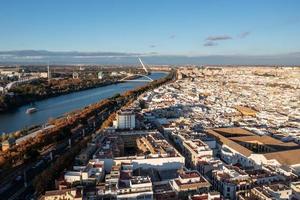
76 57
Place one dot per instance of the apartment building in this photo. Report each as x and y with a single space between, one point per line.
230 180
190 183
125 119
70 194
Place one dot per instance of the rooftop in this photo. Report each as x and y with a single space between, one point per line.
281 151
285 157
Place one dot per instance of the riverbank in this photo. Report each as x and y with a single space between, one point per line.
77 128
59 106
41 182
43 89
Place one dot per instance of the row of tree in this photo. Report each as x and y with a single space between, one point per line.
46 179
63 126
60 132
42 89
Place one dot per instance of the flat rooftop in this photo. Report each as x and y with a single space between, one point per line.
240 135
242 141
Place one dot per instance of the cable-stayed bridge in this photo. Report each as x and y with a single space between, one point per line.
147 78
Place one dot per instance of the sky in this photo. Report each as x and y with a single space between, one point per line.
189 28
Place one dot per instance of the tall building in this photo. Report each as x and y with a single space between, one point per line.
125 120
49 71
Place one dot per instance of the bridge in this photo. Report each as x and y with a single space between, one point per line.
20 81
148 79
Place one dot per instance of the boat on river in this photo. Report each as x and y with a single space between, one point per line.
31 110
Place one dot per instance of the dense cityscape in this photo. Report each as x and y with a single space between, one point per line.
199 133
150 100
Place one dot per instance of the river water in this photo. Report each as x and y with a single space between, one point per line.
57 106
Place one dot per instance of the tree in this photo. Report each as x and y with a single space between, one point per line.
142 104
2 161
116 96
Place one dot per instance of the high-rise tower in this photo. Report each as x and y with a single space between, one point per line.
49 72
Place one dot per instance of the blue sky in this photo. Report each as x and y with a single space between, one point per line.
167 27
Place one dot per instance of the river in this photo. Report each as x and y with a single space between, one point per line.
57 106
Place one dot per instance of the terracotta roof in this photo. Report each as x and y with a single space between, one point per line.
231 131
226 141
189 175
265 140
289 157
245 110
232 142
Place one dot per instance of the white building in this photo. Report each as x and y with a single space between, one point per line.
73 176
1 89
94 171
279 191
123 185
270 192
189 183
295 186
125 120
194 150
230 180
71 194
138 187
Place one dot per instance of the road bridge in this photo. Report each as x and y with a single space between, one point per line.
148 79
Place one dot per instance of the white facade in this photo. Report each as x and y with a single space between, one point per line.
125 120
139 188
72 177
166 163
231 156
279 191
93 169
163 163
70 194
229 180
147 195
295 186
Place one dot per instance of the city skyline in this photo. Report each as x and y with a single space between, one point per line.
212 32
152 100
